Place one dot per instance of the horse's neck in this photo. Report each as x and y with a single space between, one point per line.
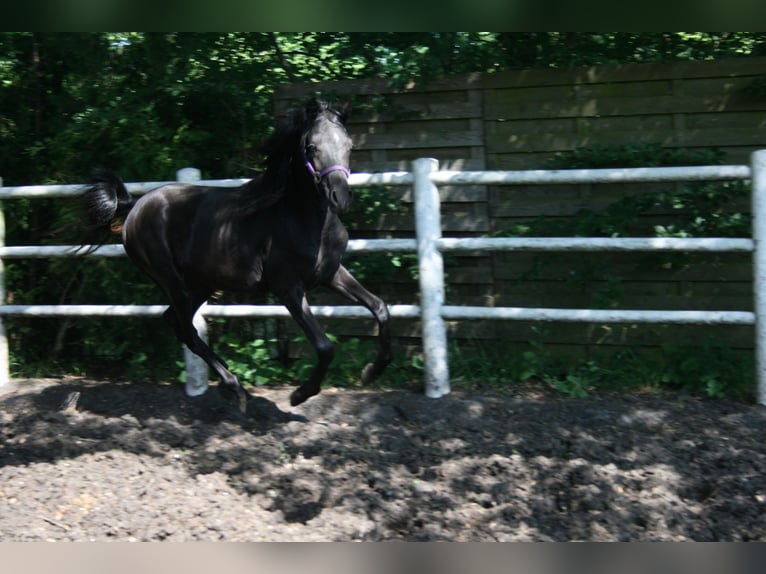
316 214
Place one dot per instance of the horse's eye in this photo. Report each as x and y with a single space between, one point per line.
311 149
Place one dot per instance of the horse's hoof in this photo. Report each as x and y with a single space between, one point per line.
368 374
300 395
242 401
226 392
371 372
238 393
296 398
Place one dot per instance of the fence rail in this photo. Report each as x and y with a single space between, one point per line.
429 245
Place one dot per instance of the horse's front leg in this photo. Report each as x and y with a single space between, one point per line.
296 303
346 284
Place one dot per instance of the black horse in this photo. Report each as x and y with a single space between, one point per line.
279 232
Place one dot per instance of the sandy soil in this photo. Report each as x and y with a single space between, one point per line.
89 460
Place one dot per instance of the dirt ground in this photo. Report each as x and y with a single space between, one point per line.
88 460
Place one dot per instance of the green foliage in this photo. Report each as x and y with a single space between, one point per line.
258 362
499 364
579 382
252 361
709 370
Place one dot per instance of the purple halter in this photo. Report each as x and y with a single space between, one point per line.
325 171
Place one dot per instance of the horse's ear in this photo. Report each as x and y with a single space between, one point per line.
344 111
313 107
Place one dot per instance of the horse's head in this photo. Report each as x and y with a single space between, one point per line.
326 152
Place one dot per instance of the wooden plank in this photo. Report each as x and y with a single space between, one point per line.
727 267
435 111
464 222
407 111
474 276
457 94
401 160
500 126
419 140
378 86
727 87
504 160
445 155
647 296
621 90
652 122
456 218
447 194
746 66
713 137
627 272
751 120
526 96
406 129
521 159
523 202
589 126
633 289
749 66
502 104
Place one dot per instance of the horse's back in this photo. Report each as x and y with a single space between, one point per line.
175 200
200 233
161 222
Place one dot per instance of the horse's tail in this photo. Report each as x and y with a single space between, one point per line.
106 201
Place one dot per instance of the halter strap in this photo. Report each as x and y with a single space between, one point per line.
325 171
332 168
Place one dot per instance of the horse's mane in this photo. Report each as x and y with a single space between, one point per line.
279 151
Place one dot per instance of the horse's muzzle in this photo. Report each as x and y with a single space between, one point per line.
338 192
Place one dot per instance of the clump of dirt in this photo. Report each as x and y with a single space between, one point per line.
88 460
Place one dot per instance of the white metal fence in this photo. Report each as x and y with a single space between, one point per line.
429 245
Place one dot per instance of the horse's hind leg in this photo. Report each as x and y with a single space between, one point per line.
147 246
345 284
181 316
171 319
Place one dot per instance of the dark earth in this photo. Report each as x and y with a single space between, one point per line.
88 460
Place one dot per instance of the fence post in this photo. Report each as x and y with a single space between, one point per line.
197 373
4 359
758 181
431 270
